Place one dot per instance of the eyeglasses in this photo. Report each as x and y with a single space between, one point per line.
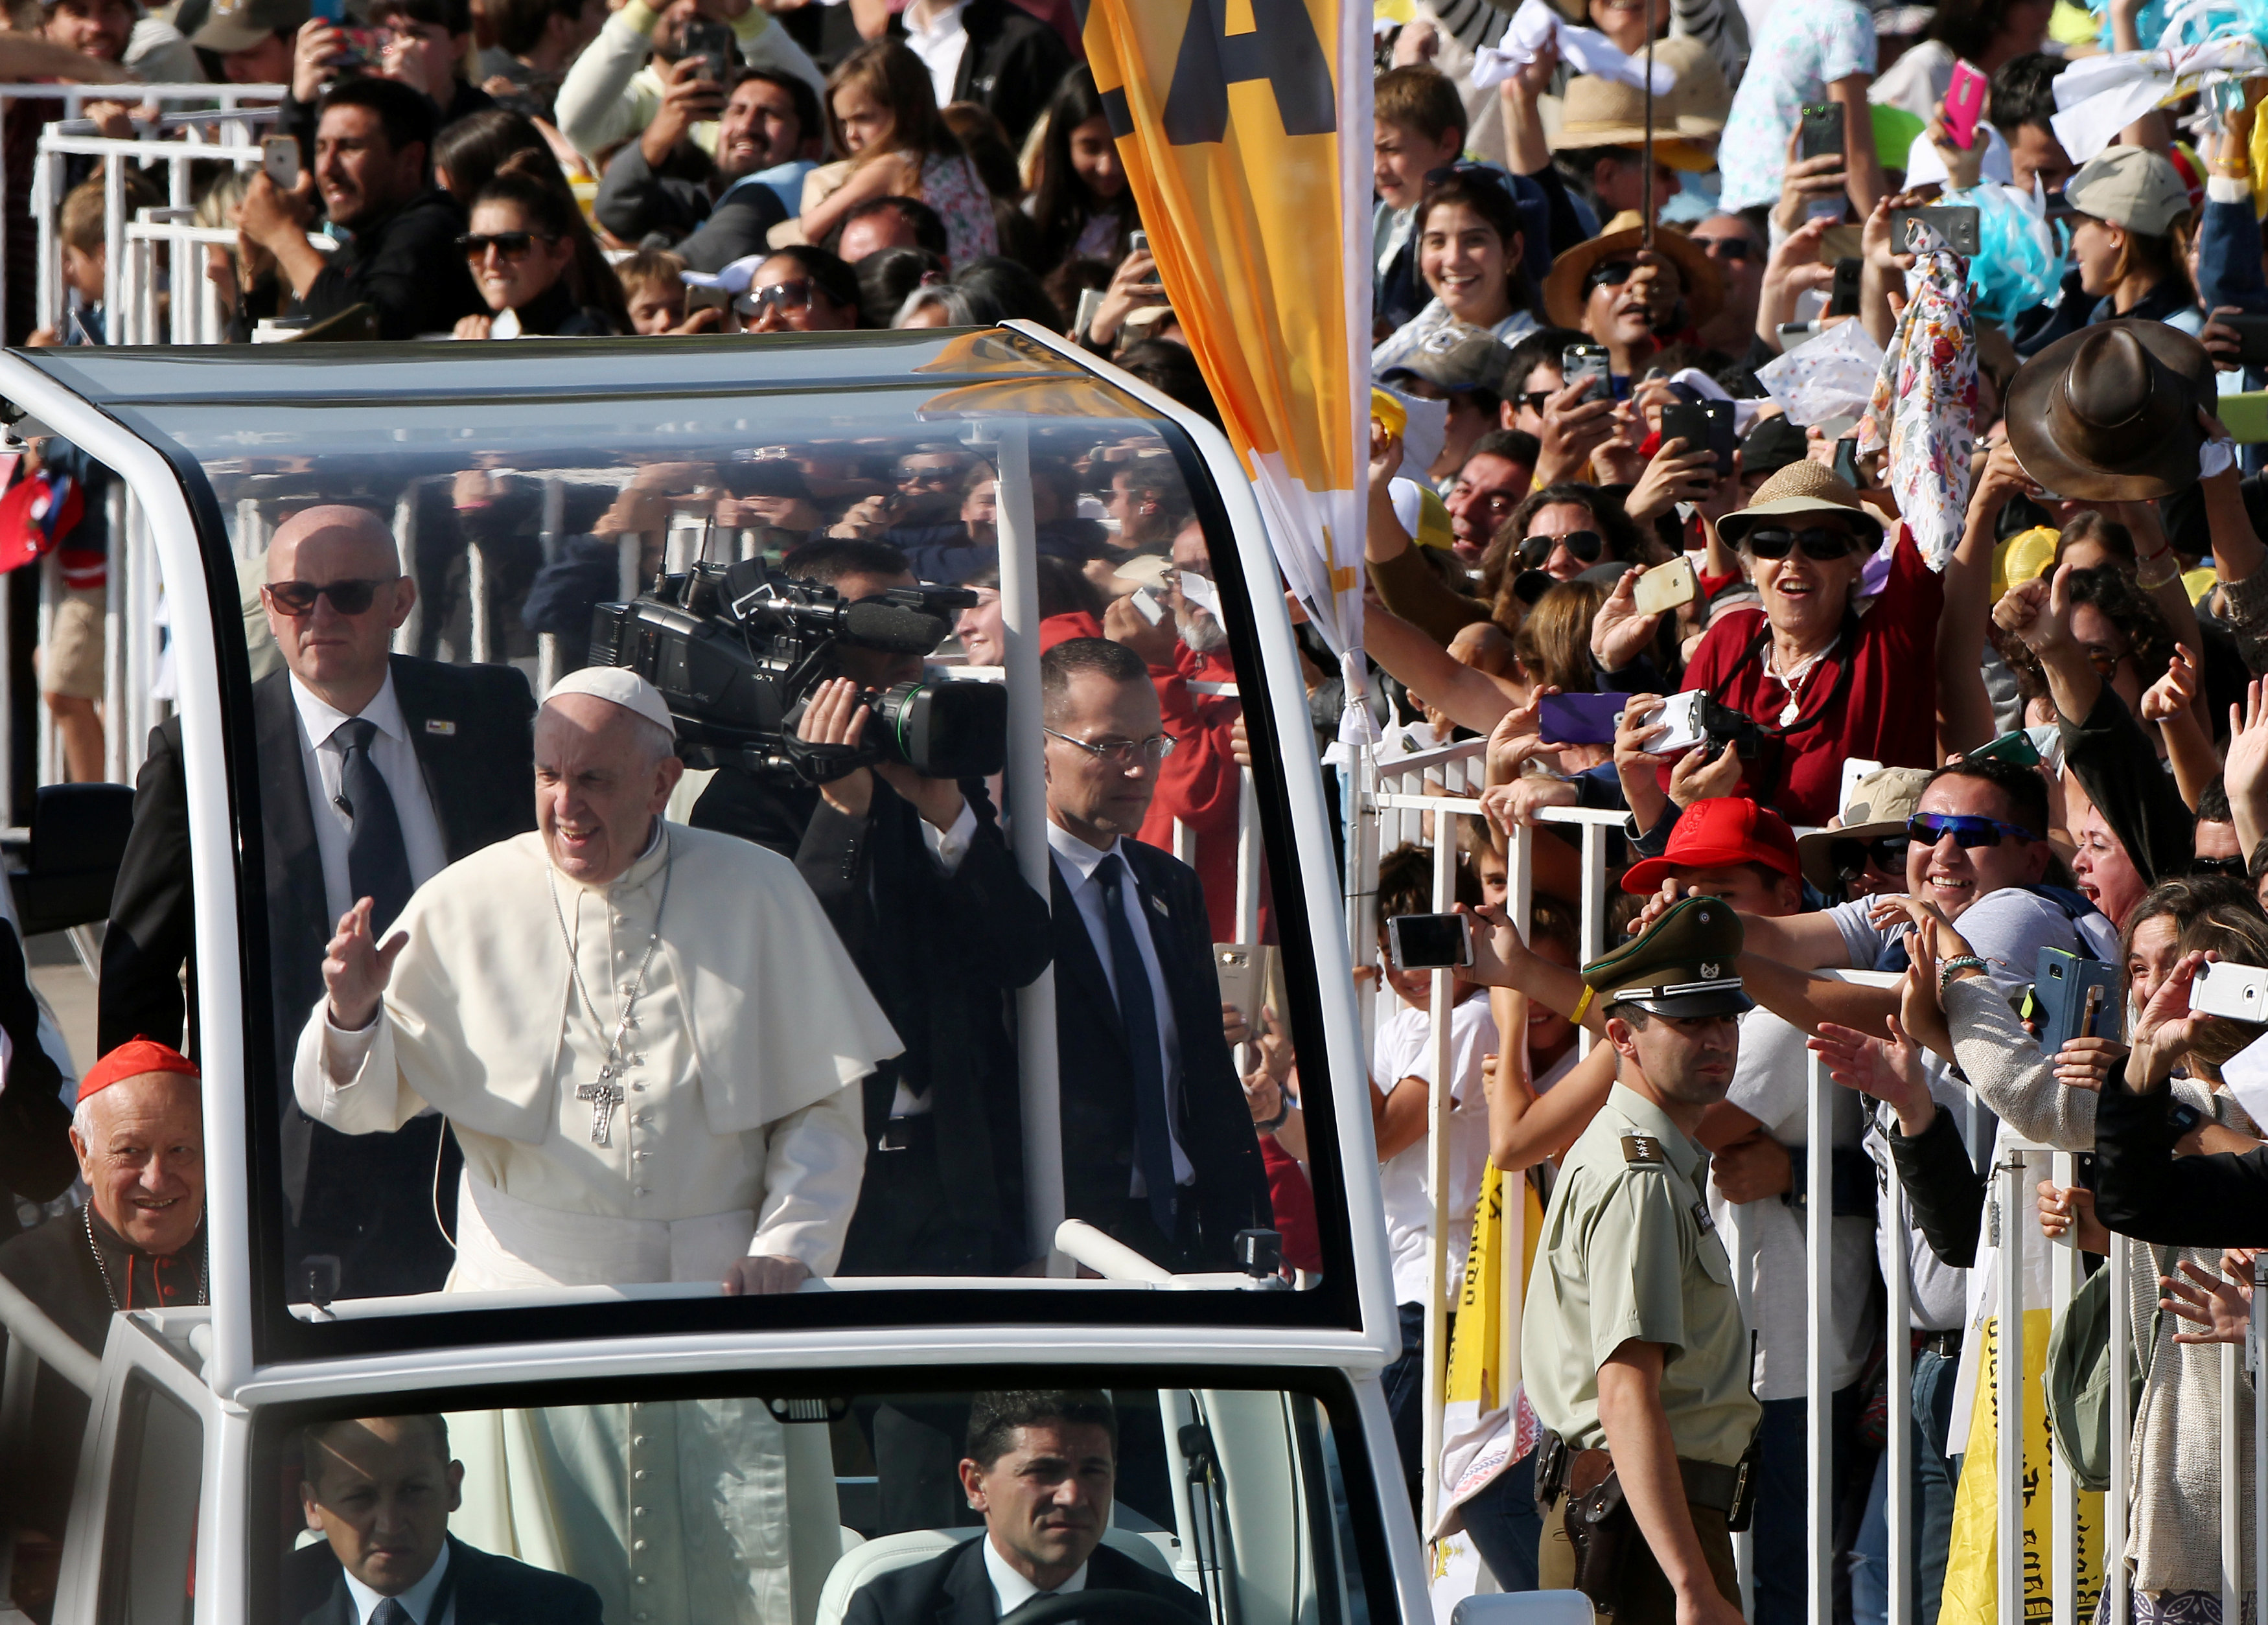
909 473
511 244
1608 274
1584 545
1734 248
2106 664
1821 546
1886 853
1123 753
1966 830
794 294
295 599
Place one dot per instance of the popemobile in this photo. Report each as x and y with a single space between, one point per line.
657 1451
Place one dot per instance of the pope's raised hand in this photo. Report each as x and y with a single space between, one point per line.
356 967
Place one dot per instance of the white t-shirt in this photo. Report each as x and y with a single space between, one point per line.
1770 1083
1404 1049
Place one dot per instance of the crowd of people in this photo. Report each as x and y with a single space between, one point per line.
1934 676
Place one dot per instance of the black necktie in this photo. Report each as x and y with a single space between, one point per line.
378 864
1153 1149
389 1612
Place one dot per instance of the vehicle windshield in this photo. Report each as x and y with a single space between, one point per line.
1162 1506
563 1046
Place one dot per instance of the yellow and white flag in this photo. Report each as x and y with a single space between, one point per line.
1244 125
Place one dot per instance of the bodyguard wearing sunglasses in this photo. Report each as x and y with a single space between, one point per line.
376 771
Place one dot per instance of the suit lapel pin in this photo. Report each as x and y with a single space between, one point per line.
1159 903
435 724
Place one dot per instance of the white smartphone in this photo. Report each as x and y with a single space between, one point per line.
1678 724
1242 985
2240 991
1149 604
279 160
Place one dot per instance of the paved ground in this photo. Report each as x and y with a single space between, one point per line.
70 992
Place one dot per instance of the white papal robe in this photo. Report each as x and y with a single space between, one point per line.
740 1131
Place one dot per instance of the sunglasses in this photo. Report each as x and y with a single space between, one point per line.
1821 546
1534 400
1886 853
295 599
792 295
1734 248
511 244
2233 867
2106 665
1967 830
1584 545
1608 274
926 476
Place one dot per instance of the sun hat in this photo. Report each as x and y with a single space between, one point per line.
1607 112
2109 414
240 24
2129 186
1880 802
1801 488
1563 290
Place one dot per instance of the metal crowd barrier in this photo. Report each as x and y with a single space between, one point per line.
1393 802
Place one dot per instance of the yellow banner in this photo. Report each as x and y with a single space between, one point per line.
1971 1575
1244 125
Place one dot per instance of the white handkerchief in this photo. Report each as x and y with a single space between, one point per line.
2246 1074
1585 50
1199 590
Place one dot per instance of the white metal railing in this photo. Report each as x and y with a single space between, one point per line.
1419 798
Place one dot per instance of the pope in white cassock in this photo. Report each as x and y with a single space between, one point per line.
648 1041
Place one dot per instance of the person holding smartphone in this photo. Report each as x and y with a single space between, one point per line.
1810 52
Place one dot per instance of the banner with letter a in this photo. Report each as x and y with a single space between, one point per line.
1244 125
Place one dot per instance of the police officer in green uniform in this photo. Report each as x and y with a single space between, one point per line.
1635 1356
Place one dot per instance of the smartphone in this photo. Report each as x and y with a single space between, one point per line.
1578 718
706 38
1138 242
1666 586
2240 991
1149 604
2251 336
1964 105
1846 464
1239 970
1430 941
1821 133
1704 425
1843 298
1957 225
2077 998
2019 747
1580 363
360 50
1677 724
279 160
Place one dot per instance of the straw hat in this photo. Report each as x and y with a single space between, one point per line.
1803 488
1607 112
1703 99
1563 289
2109 414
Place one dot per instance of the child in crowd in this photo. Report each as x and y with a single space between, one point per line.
881 112
653 286
1421 128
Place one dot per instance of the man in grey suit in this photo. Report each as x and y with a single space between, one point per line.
1041 1466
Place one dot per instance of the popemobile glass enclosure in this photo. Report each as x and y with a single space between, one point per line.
558 505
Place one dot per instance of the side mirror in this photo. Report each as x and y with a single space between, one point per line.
78 836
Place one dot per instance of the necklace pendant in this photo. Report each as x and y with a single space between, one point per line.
607 1071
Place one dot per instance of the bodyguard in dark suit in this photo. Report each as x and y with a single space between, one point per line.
925 893
1041 1466
1010 64
380 1490
1159 1147
376 771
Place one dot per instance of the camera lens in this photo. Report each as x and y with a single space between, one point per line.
945 731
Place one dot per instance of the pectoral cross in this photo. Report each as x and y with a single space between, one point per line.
604 1096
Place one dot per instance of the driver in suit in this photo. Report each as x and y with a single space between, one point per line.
380 1489
1041 1466
376 771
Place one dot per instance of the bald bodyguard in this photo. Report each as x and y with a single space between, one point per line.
375 771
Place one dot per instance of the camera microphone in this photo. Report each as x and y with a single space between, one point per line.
879 624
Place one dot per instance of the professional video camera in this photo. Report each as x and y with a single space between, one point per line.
737 651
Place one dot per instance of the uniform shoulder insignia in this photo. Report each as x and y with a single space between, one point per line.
1643 1148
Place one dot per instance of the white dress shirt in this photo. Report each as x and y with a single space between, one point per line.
1076 861
416 1601
940 43
394 755
1011 1590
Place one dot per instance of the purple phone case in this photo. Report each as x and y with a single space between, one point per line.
1578 718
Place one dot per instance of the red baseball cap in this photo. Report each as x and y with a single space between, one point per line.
1716 833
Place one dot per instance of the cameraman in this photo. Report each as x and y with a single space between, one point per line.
918 881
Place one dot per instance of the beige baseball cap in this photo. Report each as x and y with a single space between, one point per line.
2131 186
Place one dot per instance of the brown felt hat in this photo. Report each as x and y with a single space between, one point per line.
1563 289
2110 413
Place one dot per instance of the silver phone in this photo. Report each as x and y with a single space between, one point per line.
2238 991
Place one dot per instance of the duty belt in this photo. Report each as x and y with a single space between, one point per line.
1708 1484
